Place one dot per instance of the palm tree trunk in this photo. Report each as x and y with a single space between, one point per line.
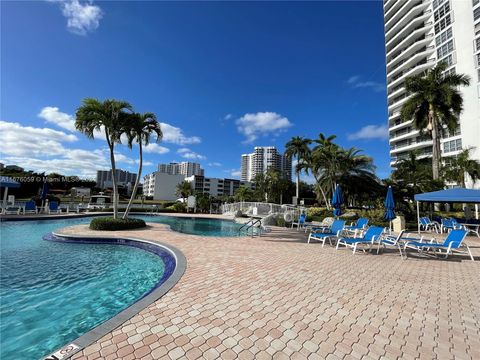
137 180
323 193
436 146
297 192
114 181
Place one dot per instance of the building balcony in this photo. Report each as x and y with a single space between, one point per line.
399 124
421 21
390 7
412 61
394 25
412 145
393 17
419 67
403 136
411 49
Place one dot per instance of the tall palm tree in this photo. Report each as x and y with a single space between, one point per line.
435 103
109 115
461 165
184 189
298 147
139 129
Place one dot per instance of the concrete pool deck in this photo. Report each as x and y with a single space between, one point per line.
277 297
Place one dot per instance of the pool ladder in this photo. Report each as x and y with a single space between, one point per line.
250 224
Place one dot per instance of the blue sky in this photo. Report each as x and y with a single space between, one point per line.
222 77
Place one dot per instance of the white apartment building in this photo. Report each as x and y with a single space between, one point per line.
162 186
418 35
185 168
263 158
215 186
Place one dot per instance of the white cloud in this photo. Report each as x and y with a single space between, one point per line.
82 17
189 154
53 115
214 164
174 135
370 132
43 149
261 124
228 117
234 173
154 148
355 82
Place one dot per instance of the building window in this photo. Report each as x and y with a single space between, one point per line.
449 60
441 11
444 36
453 145
476 14
445 49
437 3
443 24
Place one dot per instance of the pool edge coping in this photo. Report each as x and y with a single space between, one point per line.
126 314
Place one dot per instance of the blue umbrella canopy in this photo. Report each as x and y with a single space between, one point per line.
337 201
389 205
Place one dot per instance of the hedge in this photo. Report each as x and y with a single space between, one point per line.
110 224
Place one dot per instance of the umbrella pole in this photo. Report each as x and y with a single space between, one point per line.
418 216
5 196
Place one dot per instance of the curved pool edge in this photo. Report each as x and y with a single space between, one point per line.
75 346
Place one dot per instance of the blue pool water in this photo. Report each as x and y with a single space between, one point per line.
51 293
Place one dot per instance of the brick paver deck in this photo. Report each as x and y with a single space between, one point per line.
278 297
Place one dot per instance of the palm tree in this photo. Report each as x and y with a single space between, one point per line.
243 193
109 115
435 103
461 165
298 147
139 129
184 189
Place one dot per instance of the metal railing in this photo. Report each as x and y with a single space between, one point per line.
260 210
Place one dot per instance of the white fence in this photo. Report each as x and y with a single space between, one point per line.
259 209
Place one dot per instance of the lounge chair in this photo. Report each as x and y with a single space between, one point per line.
300 222
11 209
397 241
371 235
30 208
358 226
449 224
428 224
53 208
453 242
328 233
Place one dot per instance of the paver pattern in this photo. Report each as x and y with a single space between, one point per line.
276 297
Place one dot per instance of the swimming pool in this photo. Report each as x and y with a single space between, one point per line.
53 293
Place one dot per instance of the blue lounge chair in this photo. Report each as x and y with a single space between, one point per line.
53 208
373 234
300 222
453 242
426 224
30 208
449 224
328 233
397 241
359 226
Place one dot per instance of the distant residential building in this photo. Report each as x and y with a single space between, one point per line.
162 186
80 191
215 186
262 159
2 166
185 168
14 168
104 178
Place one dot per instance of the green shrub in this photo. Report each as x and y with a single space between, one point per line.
110 224
280 221
178 207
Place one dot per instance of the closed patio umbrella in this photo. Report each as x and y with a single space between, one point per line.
389 207
337 201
